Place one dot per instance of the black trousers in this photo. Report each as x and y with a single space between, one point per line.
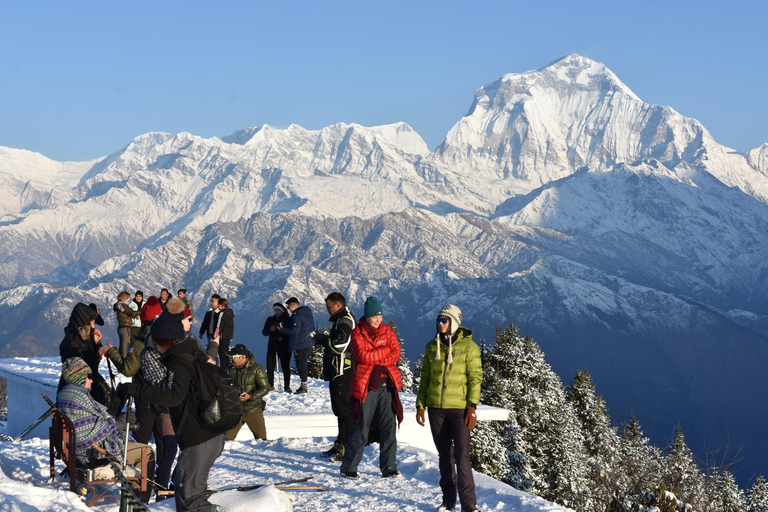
285 366
451 438
302 360
340 387
223 352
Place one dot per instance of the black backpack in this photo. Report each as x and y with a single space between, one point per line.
219 409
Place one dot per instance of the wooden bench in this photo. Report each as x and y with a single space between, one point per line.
62 446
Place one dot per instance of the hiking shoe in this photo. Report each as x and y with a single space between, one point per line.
301 389
392 474
443 507
271 388
330 454
469 508
351 475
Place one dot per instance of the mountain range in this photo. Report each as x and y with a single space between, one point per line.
619 234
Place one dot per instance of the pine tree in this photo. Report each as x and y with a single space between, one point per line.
682 474
641 463
404 365
725 495
601 441
553 462
417 373
315 362
757 496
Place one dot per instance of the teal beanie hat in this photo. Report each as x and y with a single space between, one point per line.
372 307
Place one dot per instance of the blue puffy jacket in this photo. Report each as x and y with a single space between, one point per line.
302 324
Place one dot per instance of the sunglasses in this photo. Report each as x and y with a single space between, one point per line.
443 320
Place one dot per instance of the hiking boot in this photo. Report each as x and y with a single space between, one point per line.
301 389
351 475
470 508
392 474
336 453
443 507
330 454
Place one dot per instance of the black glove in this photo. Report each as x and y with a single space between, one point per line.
127 389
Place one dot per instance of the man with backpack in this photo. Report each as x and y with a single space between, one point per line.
200 443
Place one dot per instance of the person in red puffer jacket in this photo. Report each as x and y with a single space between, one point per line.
375 385
151 310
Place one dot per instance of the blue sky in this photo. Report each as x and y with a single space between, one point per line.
79 80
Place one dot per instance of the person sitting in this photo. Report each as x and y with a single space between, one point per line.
96 434
250 378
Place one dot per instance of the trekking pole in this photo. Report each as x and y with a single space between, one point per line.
277 365
127 431
111 375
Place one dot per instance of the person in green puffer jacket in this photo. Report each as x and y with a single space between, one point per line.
250 378
451 377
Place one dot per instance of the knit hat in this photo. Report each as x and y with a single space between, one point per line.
81 315
75 370
281 306
168 325
372 307
453 313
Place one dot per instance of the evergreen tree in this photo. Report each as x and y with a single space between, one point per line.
725 495
404 365
682 474
757 496
315 362
517 378
417 373
601 442
641 464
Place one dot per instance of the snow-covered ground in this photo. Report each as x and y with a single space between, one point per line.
25 486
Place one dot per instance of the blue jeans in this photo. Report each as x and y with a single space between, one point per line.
378 403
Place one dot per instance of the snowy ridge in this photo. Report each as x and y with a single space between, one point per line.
24 471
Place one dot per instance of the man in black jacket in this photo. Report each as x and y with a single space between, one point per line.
277 347
211 319
199 447
337 368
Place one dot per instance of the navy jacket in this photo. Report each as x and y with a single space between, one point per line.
302 324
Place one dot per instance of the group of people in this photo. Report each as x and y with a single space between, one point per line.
359 362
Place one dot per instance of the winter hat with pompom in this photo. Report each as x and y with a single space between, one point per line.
168 325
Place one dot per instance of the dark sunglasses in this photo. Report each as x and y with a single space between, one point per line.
443 320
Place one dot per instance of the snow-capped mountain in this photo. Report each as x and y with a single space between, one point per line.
618 233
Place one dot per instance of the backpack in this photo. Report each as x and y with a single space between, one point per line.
219 399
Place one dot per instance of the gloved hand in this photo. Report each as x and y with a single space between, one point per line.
470 417
127 389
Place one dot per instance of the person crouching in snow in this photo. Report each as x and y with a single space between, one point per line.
375 385
199 446
250 378
96 433
451 377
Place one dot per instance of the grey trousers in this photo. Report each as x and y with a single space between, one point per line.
190 478
377 403
124 333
